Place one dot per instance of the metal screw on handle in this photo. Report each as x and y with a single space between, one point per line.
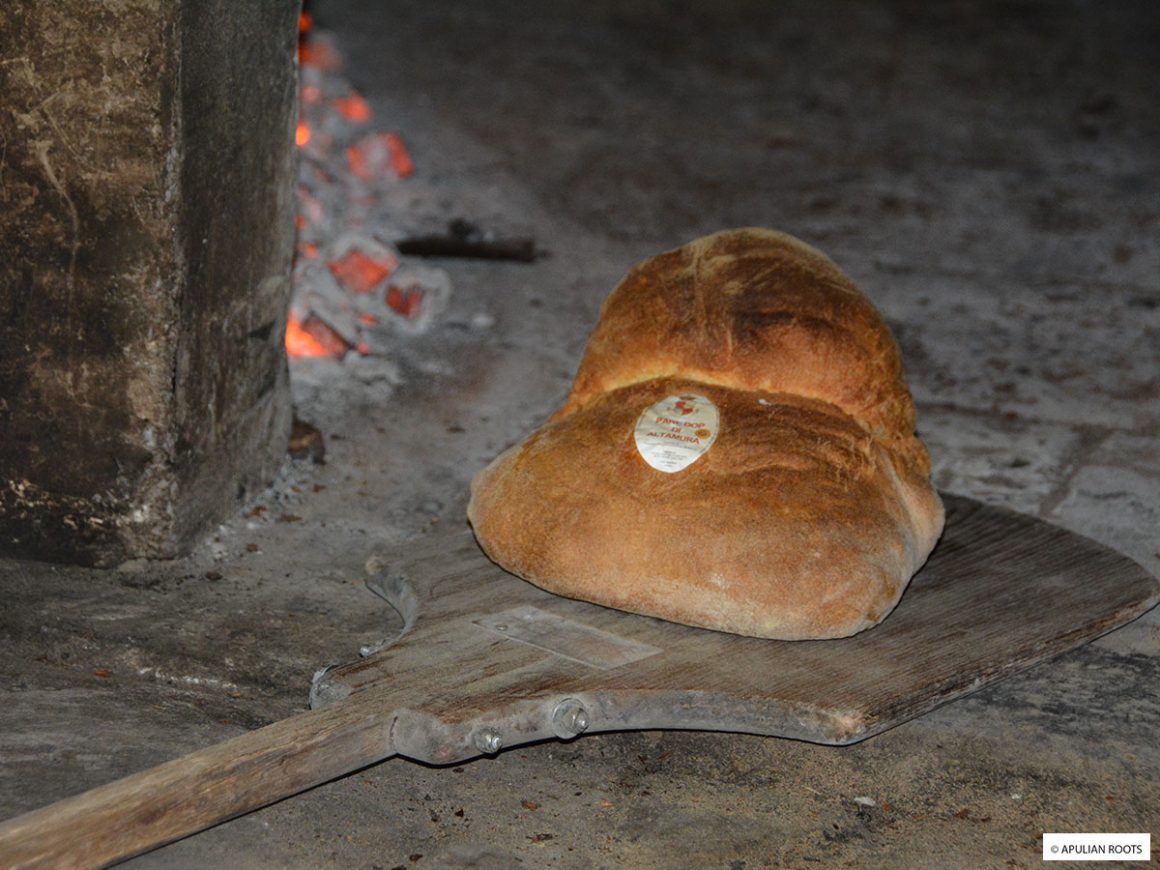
488 740
569 719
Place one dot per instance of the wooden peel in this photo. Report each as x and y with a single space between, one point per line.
487 661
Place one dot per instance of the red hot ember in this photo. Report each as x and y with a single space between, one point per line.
360 271
379 154
405 300
353 108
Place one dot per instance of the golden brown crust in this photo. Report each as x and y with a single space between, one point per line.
793 525
808 515
753 309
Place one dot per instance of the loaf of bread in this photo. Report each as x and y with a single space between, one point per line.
737 452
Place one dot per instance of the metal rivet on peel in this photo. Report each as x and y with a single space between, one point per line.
488 740
569 719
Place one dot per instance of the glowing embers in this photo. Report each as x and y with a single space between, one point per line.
361 264
316 49
377 155
302 135
313 338
354 108
351 293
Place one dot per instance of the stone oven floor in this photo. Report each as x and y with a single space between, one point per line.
988 172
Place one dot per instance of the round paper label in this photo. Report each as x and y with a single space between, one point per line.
675 432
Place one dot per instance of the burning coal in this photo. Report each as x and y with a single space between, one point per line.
352 292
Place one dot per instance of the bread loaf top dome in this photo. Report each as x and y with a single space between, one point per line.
753 309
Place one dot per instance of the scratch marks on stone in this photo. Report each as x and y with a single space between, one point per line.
41 149
33 122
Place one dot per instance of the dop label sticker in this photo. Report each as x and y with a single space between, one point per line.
677 431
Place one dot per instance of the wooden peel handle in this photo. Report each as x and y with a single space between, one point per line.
186 795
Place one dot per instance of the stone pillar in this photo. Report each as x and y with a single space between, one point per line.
146 234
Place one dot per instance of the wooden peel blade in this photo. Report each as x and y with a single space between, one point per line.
487 661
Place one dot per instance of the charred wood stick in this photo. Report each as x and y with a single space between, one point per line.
465 239
522 250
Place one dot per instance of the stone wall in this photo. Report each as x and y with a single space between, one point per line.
146 187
